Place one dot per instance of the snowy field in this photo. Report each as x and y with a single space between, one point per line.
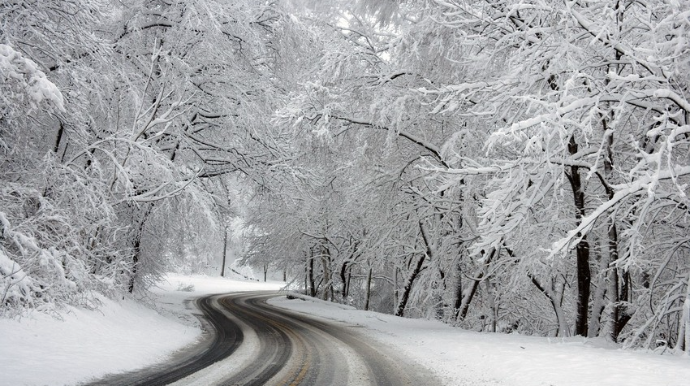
469 358
120 336
123 336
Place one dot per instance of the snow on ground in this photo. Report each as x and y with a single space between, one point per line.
469 358
120 336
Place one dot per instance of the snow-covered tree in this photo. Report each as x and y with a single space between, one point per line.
541 148
118 120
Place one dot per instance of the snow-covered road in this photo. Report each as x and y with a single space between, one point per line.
281 348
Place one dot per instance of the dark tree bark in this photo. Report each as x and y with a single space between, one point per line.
582 249
310 275
621 278
405 295
467 299
225 251
457 295
136 246
58 139
344 279
469 295
368 290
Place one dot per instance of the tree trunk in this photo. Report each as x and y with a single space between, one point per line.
467 297
439 300
563 329
492 304
457 291
582 250
343 278
396 291
349 280
368 290
400 309
327 276
58 139
405 295
439 286
457 295
136 246
620 316
684 336
225 251
310 275
599 299
135 264
324 255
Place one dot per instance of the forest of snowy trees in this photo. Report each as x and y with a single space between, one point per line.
501 165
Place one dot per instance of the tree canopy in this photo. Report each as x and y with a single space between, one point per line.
500 165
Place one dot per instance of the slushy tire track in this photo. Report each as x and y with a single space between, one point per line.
275 344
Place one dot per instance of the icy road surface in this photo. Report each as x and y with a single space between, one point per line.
257 344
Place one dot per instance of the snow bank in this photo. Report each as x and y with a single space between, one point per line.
40 350
469 358
121 336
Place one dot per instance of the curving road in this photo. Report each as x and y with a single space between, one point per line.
257 344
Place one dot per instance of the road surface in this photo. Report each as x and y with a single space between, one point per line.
254 343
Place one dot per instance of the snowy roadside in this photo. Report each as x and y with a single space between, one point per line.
121 336
469 358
